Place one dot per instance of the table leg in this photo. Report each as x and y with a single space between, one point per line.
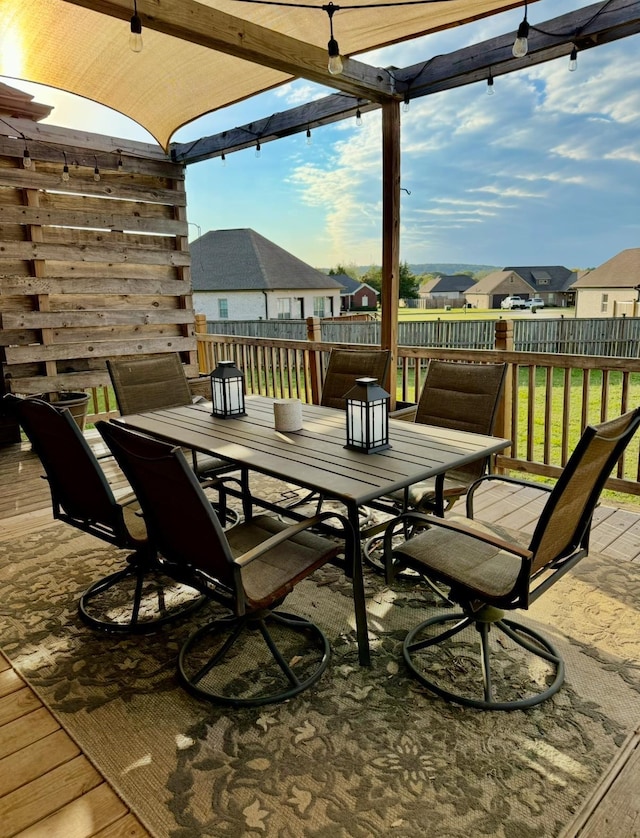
362 631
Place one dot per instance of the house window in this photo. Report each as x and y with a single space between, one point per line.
223 309
365 301
604 304
318 306
284 308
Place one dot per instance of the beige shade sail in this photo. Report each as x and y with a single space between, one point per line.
200 57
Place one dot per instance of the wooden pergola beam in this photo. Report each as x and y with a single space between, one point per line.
211 28
620 19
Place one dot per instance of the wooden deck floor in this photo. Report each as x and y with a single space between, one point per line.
47 786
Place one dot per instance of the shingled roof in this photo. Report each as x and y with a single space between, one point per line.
621 271
448 284
243 260
545 277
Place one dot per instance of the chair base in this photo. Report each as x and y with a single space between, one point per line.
460 664
138 599
255 660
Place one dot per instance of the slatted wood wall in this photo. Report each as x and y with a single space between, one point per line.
89 268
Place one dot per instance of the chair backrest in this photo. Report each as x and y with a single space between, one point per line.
345 365
464 397
149 383
566 518
180 521
80 492
461 396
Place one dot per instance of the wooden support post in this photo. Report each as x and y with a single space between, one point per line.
314 334
504 343
390 239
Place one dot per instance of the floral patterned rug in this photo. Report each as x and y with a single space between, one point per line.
364 753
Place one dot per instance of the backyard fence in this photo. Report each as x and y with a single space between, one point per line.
611 337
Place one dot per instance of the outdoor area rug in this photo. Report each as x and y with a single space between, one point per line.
366 752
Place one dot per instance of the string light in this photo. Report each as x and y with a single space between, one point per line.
258 148
135 36
309 140
223 159
521 43
406 104
26 157
65 168
96 171
573 59
490 90
358 118
335 65
119 164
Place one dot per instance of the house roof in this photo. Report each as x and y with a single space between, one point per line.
82 46
351 285
448 284
621 271
545 278
489 282
243 260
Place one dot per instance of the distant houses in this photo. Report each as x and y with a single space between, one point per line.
240 275
356 295
550 282
446 290
611 290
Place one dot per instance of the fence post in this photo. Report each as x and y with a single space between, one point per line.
201 329
503 341
314 334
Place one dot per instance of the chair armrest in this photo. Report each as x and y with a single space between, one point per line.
529 484
454 526
405 414
289 532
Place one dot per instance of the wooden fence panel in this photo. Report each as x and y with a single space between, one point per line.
93 266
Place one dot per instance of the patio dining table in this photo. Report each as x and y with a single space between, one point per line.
315 458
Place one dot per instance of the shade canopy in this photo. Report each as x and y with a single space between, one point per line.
200 57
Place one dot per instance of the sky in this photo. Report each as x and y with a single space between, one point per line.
544 172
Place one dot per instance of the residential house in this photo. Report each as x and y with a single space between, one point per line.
448 290
551 283
611 290
240 275
356 295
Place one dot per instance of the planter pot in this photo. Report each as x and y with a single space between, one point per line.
76 403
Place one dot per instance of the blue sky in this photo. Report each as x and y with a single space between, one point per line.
546 171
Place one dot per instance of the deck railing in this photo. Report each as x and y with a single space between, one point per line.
548 400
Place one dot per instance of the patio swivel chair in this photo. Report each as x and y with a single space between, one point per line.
153 382
343 368
490 571
137 598
250 654
460 396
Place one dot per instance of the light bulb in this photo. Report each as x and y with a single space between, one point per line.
96 171
521 43
309 140
135 36
573 60
223 159
335 66
26 158
490 90
358 118
258 149
65 173
406 104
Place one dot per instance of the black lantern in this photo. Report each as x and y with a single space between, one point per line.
367 417
227 391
